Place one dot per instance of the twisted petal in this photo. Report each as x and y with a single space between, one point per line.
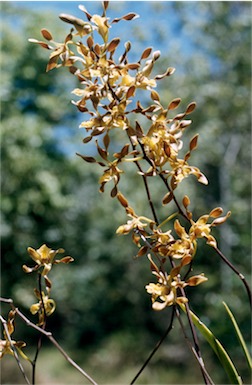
35 308
196 280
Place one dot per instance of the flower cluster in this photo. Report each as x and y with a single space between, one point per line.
108 95
166 290
178 249
109 87
45 259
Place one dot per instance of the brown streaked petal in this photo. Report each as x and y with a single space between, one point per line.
46 34
69 36
179 116
196 280
105 5
175 271
67 259
155 96
184 123
193 142
88 159
143 250
216 212
41 43
179 229
146 53
30 269
167 198
113 44
87 139
103 153
83 9
132 66
53 63
106 140
129 16
167 149
174 104
186 260
72 20
190 108
48 282
90 42
202 178
186 201
130 92
211 241
113 192
181 300
168 72
221 220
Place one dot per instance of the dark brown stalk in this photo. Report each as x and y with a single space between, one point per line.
198 357
241 276
166 184
146 186
39 343
170 327
194 335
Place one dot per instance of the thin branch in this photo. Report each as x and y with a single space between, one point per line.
174 198
13 348
166 184
241 276
194 335
170 327
199 359
6 300
55 343
51 338
39 343
146 186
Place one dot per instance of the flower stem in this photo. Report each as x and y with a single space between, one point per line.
241 276
170 327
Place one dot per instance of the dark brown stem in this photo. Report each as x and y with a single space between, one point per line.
39 344
170 327
174 198
146 186
166 184
241 276
198 357
194 334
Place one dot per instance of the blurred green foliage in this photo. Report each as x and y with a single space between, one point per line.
49 196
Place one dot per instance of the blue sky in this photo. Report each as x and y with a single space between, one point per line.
142 32
147 10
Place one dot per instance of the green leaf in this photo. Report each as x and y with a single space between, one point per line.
239 335
219 350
